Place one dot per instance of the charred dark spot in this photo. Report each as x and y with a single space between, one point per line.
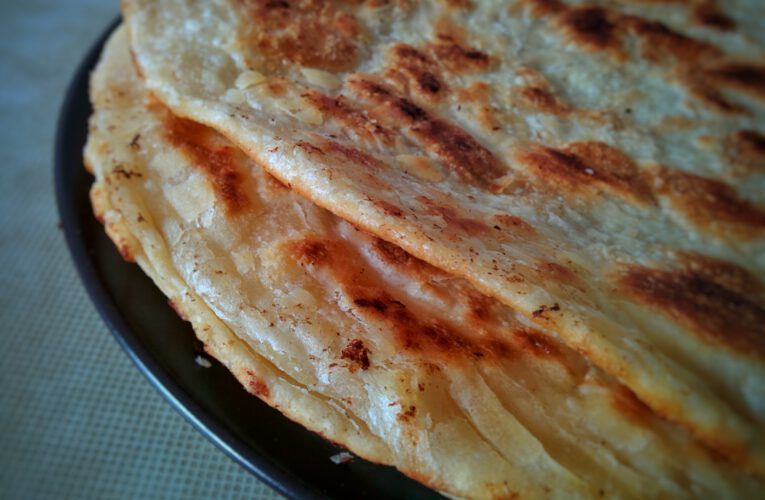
356 352
407 414
410 110
120 171
709 14
589 26
419 69
742 76
428 82
752 141
376 304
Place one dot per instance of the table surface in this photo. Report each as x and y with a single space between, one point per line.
77 419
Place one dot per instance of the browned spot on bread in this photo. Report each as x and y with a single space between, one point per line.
551 271
452 218
178 309
256 386
746 151
725 274
711 205
457 149
540 8
388 208
701 89
513 223
590 27
628 404
357 353
125 252
439 340
276 87
479 308
458 57
658 42
458 4
543 99
703 301
420 71
351 154
478 92
536 343
309 148
221 162
340 109
742 76
306 32
709 15
581 165
312 251
394 255
412 332
405 415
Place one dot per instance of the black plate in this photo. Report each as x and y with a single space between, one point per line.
290 459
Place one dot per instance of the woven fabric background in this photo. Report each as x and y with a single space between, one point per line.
77 419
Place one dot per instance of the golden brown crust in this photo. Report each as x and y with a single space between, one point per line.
742 76
584 165
419 70
457 149
711 205
708 14
311 33
745 150
710 302
341 109
221 163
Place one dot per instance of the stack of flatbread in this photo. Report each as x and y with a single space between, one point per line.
511 248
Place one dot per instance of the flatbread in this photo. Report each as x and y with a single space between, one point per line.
597 167
361 342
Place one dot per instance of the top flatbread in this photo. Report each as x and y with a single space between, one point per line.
359 341
597 167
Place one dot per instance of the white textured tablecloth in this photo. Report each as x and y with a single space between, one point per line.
77 419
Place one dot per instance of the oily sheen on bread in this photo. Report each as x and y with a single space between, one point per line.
361 342
597 166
